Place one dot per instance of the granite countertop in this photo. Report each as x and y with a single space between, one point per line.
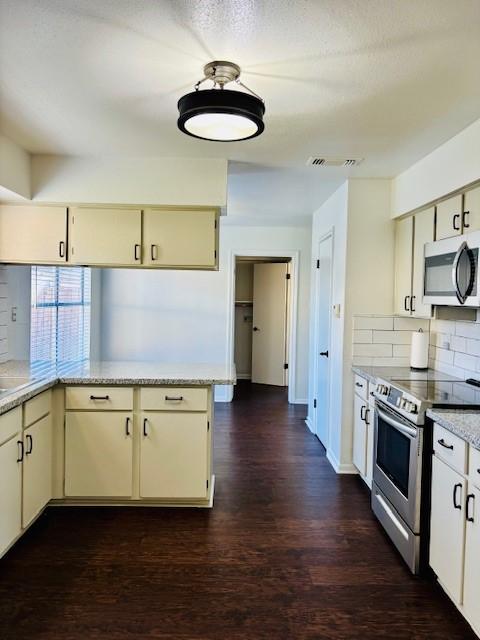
461 422
401 373
42 377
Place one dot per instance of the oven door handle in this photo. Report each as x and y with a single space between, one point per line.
410 432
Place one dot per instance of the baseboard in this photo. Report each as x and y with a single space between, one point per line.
341 468
244 376
223 393
309 423
298 401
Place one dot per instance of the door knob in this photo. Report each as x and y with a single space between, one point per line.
324 353
256 329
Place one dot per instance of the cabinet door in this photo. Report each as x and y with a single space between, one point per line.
369 444
33 235
37 468
448 528
449 218
360 435
180 238
471 598
174 455
105 236
10 493
98 454
423 232
471 216
403 265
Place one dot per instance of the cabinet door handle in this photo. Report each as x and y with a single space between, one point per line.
99 397
145 421
21 450
127 426
367 417
174 398
61 248
456 487
443 444
470 497
455 218
137 252
412 304
406 305
363 412
153 252
359 384
466 225
29 449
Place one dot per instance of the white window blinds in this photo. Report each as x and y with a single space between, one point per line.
60 314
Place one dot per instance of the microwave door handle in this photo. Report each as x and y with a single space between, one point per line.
461 295
410 432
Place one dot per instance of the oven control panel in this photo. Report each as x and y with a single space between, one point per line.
399 400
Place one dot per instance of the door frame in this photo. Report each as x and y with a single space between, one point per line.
292 304
316 338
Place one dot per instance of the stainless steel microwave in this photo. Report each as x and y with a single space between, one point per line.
451 271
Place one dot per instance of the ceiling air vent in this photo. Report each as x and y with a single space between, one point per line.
333 162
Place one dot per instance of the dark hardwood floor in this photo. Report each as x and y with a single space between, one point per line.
290 551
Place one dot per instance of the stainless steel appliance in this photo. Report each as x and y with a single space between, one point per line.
402 457
451 271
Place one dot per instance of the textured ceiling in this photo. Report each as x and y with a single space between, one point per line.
388 80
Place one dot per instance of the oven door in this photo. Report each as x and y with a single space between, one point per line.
450 271
398 463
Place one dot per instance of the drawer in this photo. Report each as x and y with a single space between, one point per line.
450 448
361 386
37 407
10 424
174 399
474 467
98 398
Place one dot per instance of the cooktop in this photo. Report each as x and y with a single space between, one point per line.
441 392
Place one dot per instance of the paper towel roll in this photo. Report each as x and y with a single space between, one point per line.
419 350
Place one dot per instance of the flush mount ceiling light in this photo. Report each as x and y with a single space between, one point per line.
220 114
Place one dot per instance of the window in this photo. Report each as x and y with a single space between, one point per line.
60 314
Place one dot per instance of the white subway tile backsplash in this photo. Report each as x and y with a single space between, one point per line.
392 337
401 351
410 324
455 347
468 330
3 290
362 336
373 350
464 361
373 322
391 362
458 343
443 355
472 347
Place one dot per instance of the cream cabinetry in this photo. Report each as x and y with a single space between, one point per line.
98 454
363 413
180 238
105 237
411 235
37 468
471 211
11 454
33 235
174 455
471 598
449 218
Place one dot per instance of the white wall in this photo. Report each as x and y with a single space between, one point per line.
14 170
183 316
454 164
359 213
168 181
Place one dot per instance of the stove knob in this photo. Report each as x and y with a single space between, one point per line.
413 407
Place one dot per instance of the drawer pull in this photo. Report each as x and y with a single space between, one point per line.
136 254
145 421
174 398
127 426
99 397
61 248
470 497
456 487
21 450
443 444
29 440
153 252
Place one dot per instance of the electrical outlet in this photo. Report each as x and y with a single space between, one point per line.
14 314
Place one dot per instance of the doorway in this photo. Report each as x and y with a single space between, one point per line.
262 319
322 343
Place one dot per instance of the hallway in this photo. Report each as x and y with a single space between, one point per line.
290 551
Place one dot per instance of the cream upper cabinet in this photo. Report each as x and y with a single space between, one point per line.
471 211
105 236
449 218
10 492
471 596
180 238
33 235
174 455
403 265
37 468
98 454
448 527
424 229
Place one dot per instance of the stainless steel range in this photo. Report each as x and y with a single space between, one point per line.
402 456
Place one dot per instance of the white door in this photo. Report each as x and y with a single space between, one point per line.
471 598
174 455
98 453
269 324
322 342
37 468
447 527
10 492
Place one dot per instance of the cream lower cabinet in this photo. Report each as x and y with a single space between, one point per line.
37 468
174 455
471 599
98 454
180 238
10 492
360 434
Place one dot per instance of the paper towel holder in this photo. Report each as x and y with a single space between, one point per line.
412 368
